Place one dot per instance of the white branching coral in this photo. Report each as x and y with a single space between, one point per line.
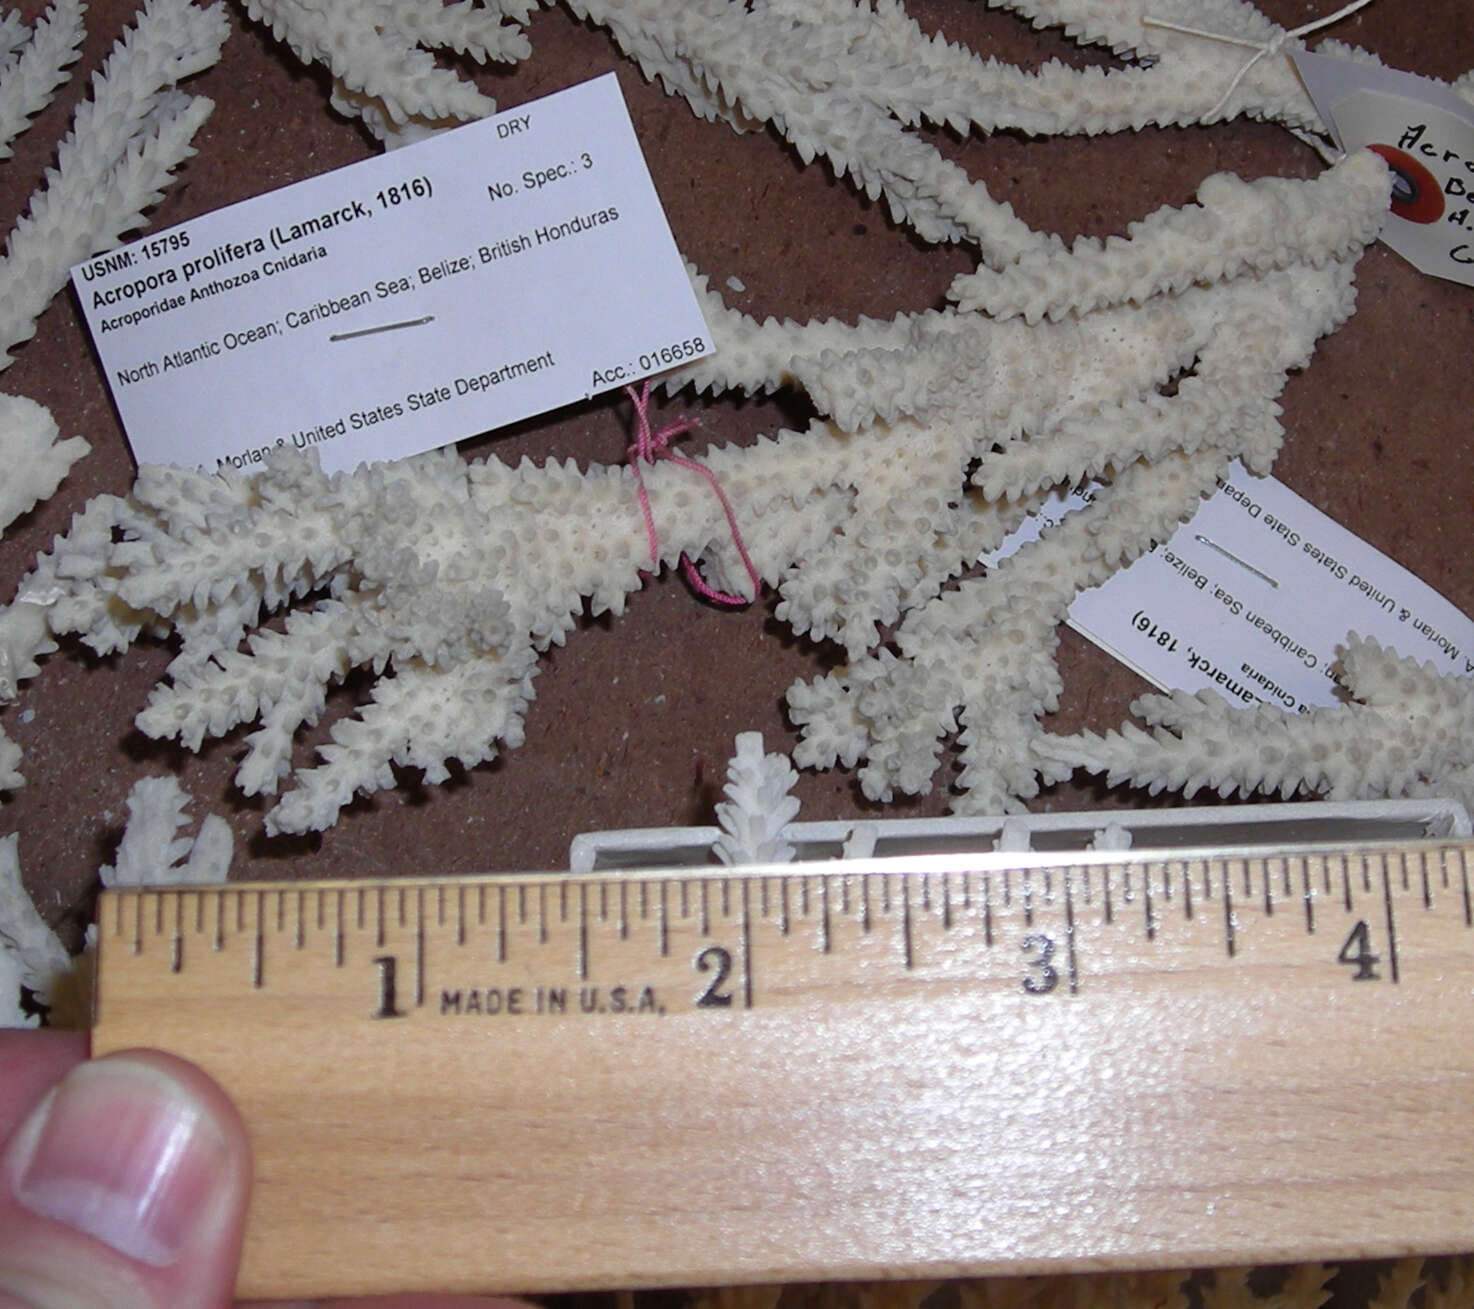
841 81
1235 227
381 55
979 658
758 805
1151 359
1408 732
35 461
154 852
31 955
1307 1286
446 578
12 979
124 144
856 66
1441 1284
34 64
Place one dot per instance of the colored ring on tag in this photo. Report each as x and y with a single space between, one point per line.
1416 195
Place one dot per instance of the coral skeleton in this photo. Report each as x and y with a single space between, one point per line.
1409 731
34 64
152 852
758 805
34 459
854 529
382 56
31 955
1243 224
1150 360
125 143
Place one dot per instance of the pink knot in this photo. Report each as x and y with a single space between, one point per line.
647 448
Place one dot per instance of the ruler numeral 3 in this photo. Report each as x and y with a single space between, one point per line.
1042 976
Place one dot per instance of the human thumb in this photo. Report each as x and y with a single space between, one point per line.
125 1187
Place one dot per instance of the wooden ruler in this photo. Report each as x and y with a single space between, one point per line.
920 1068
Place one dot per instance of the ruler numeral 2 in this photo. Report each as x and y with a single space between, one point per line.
1051 924
714 959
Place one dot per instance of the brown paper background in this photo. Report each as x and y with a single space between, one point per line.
634 718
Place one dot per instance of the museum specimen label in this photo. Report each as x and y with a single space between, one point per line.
1254 596
1425 132
448 288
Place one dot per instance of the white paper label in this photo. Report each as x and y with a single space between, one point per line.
1252 597
1426 134
487 274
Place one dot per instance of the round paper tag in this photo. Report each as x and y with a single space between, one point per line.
1431 154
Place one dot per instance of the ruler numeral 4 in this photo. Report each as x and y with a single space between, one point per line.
1357 954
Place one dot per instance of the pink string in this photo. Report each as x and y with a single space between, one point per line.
649 447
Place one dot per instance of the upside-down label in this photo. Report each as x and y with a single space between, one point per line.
1254 597
1426 134
487 274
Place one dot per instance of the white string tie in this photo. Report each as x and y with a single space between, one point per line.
1262 49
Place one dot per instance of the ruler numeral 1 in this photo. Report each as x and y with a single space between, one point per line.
388 993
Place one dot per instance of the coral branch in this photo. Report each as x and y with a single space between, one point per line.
381 55
1410 733
758 805
985 650
34 68
124 144
39 959
1235 227
442 582
152 851
36 461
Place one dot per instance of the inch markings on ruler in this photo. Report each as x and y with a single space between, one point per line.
915 906
1023 896
697 1077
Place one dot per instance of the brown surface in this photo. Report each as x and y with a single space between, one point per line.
635 717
